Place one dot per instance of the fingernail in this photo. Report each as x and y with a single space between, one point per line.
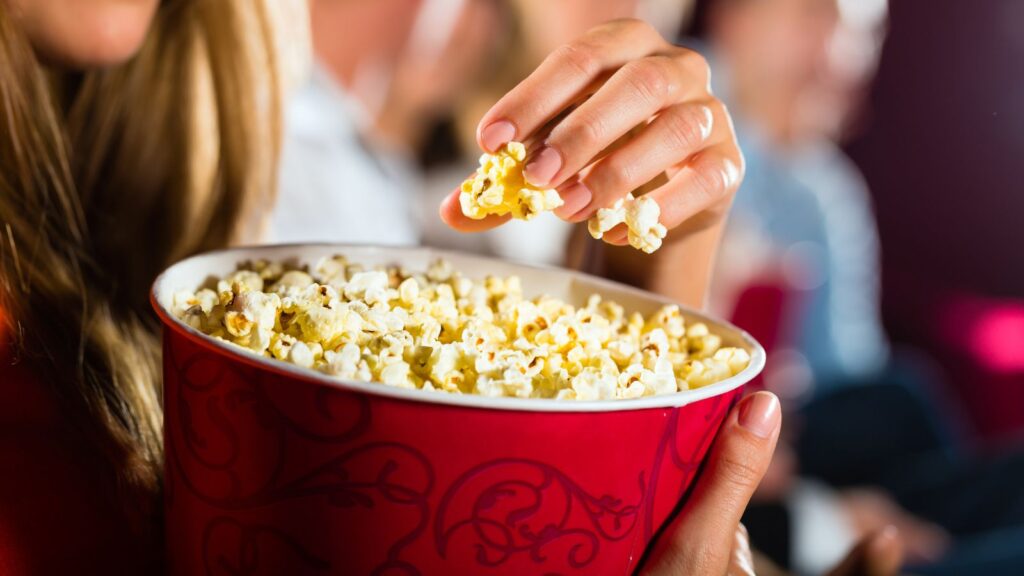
617 237
576 197
497 134
759 414
543 166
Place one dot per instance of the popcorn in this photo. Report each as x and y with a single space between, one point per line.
735 358
707 371
640 215
443 332
370 287
409 291
396 373
291 283
645 232
701 341
607 218
499 188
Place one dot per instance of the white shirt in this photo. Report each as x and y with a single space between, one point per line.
333 186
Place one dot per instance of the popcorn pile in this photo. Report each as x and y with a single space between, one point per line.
441 331
498 187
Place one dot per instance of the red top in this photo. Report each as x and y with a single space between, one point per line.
56 512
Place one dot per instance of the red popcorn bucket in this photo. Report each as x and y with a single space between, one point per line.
275 469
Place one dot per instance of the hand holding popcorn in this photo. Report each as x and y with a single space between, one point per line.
685 137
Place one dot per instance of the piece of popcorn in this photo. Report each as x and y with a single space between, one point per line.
591 384
291 283
268 270
396 373
182 300
281 345
645 232
662 379
700 341
250 310
607 218
641 217
655 343
439 271
409 291
205 299
517 383
332 269
735 358
621 350
634 390
238 282
499 188
344 363
370 287
302 354
258 340
707 371
566 394
678 360
328 326
669 319
508 383
461 286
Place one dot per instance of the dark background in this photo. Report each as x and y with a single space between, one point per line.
943 153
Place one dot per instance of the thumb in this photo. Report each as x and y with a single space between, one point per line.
699 540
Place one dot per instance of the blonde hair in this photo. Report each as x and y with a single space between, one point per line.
108 176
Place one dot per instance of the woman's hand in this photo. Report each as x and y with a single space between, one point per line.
619 76
707 539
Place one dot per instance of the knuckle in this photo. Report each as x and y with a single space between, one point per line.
737 470
698 556
697 67
613 177
720 112
723 121
580 57
580 131
686 128
649 77
638 27
653 36
710 178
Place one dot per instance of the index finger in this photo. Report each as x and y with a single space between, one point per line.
699 539
563 77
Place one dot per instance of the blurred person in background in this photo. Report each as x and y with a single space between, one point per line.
802 232
794 71
381 71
